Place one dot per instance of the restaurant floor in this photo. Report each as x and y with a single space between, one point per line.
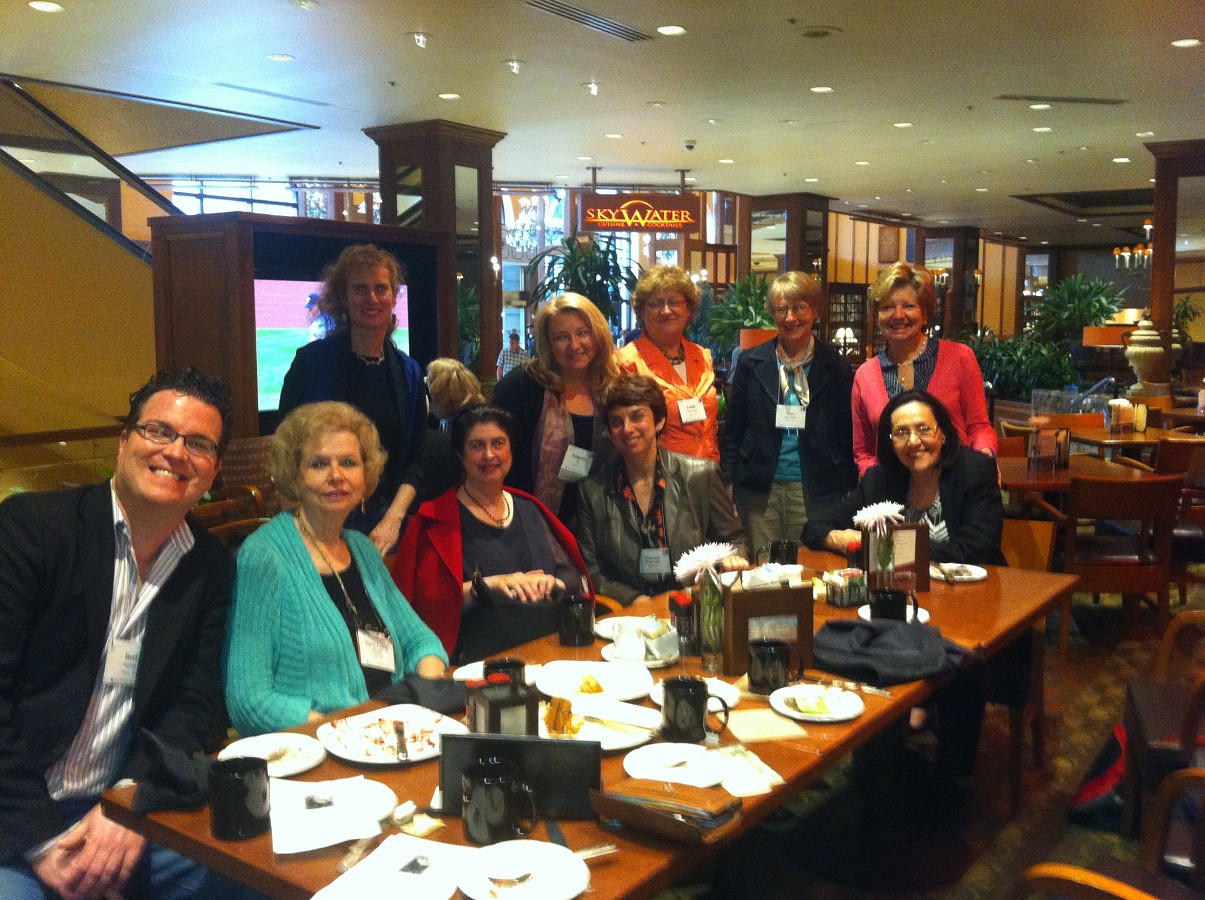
829 847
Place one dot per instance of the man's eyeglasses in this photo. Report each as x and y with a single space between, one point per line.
922 432
158 433
799 310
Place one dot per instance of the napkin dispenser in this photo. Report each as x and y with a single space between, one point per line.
496 705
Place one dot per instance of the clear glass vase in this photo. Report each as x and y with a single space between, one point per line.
709 601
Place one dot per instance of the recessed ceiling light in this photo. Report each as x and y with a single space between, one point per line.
42 6
592 87
861 162
1023 237
1031 161
670 30
1144 134
691 178
560 176
926 141
907 190
944 181
1042 129
656 104
514 65
449 96
943 222
585 158
305 4
997 232
1081 220
811 180
1044 243
421 38
1151 180
788 122
1181 42
280 57
713 121
1039 106
822 89
863 206
727 162
1121 159
614 135
1096 224
980 190
902 124
1082 148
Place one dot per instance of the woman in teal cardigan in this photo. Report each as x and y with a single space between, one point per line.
317 624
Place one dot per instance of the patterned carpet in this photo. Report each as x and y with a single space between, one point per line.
831 849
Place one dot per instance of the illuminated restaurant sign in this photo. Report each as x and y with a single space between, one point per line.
639 212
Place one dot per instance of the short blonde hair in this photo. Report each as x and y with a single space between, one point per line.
452 385
603 368
903 275
308 421
663 279
795 287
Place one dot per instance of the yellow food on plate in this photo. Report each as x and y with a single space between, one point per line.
559 718
590 685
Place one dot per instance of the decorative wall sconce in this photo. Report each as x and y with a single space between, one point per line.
978 276
941 277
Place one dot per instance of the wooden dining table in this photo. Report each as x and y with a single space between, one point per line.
982 616
1018 478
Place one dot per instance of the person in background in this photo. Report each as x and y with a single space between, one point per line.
359 364
786 445
452 388
642 512
665 301
316 624
511 355
112 612
481 531
904 301
556 398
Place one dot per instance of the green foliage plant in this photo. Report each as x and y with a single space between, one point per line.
587 265
1017 365
1065 309
743 305
468 322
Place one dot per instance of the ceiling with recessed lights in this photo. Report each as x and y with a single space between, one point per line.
935 111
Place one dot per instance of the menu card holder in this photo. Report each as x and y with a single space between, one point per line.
909 543
781 613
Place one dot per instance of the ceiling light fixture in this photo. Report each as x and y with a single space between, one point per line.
1039 106
305 4
822 89
671 30
614 135
420 39
592 87
1180 42
449 96
861 162
44 6
585 158
902 124
1043 129
280 57
691 178
980 190
1121 159
656 104
514 65
1144 134
811 180
727 162
788 122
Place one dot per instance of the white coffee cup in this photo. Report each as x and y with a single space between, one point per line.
629 639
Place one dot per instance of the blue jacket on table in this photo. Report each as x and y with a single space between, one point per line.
750 442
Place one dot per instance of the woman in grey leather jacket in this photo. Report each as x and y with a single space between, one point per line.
638 515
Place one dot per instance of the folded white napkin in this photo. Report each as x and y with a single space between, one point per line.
772 575
355 809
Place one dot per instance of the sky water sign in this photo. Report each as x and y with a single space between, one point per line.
639 212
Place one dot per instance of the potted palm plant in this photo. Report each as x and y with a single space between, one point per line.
741 316
587 265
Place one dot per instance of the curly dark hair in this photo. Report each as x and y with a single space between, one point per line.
191 382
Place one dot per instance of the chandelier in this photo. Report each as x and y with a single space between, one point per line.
1138 257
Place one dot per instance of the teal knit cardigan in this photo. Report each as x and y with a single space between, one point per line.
287 648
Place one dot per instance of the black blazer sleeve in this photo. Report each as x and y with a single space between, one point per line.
974 513
838 514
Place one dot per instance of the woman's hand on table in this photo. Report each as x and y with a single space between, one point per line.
526 587
733 563
837 541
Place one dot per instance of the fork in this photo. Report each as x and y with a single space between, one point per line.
399 734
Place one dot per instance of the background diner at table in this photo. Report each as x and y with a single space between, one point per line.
360 364
556 398
665 301
451 388
483 560
316 624
913 360
641 513
787 445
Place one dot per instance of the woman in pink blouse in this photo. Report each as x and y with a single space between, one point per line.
904 301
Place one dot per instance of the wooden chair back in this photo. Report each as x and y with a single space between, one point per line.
246 462
1028 543
1175 456
232 534
1013 445
228 509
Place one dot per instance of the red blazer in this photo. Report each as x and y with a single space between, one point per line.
428 568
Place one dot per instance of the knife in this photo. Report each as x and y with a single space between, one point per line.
860 686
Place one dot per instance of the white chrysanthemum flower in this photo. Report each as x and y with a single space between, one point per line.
876 517
706 556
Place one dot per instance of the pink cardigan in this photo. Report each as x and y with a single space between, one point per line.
956 382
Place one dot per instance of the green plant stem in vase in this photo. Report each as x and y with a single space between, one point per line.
709 601
880 557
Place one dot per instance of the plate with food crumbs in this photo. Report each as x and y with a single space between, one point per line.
579 721
376 737
572 679
286 753
816 703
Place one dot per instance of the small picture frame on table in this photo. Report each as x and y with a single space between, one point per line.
909 542
782 613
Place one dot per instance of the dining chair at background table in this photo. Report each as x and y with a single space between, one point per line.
1163 715
1168 844
1128 547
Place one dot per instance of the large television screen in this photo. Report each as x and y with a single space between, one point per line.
287 317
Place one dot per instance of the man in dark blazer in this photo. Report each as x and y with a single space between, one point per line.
112 615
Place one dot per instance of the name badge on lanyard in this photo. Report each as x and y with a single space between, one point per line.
654 562
691 410
375 649
790 416
576 464
121 662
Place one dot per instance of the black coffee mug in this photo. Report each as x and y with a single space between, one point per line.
577 621
495 801
684 710
511 666
238 798
888 603
769 665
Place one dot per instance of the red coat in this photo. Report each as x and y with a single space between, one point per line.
428 568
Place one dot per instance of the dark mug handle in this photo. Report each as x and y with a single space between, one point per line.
915 617
526 791
727 712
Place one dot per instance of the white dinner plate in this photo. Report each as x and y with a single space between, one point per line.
690 764
369 737
605 628
618 680
555 872
650 662
603 722
376 799
824 704
958 573
287 754
475 671
716 687
922 613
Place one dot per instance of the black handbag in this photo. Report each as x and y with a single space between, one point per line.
498 622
